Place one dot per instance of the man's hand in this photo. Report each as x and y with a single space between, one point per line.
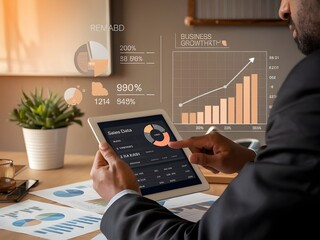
216 152
110 174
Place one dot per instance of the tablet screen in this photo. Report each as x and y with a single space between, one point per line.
143 143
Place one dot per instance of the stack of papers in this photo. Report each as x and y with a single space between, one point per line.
57 222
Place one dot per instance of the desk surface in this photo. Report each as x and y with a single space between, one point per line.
76 169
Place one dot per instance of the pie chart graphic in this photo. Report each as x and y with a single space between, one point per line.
92 59
50 216
73 96
156 135
68 193
26 222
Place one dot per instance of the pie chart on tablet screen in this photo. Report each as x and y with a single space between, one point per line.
156 135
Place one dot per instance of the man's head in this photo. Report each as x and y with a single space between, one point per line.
304 21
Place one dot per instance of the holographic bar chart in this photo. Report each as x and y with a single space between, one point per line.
223 88
242 108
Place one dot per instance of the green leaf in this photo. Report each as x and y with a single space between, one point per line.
36 111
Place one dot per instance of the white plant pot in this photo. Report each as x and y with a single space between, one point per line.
45 147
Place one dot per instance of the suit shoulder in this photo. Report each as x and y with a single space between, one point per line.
302 81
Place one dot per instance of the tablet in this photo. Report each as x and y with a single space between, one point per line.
141 140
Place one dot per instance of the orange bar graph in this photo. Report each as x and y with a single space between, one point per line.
207 114
200 117
231 110
246 99
223 111
240 109
193 118
239 103
185 118
215 115
254 98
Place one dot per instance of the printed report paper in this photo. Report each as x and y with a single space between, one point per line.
47 220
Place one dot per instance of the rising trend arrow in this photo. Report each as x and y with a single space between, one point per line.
251 60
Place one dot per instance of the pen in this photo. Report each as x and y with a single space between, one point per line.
210 129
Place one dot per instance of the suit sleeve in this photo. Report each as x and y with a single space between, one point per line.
136 217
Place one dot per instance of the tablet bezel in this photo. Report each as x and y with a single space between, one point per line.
203 186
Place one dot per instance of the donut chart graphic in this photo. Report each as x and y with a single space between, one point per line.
160 132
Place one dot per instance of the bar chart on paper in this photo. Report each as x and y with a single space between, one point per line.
221 88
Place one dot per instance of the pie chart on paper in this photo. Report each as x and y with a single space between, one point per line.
26 222
68 193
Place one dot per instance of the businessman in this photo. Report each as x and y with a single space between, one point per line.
276 194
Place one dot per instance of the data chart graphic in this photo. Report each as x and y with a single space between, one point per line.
26 222
68 193
73 96
156 135
223 88
50 216
48 221
92 59
79 195
202 206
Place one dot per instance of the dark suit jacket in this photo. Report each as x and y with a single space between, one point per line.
275 197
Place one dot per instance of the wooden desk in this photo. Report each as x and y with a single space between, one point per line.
76 169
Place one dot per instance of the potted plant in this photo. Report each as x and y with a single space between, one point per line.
44 122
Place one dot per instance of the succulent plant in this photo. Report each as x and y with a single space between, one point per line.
37 112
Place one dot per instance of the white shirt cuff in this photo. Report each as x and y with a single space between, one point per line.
119 195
